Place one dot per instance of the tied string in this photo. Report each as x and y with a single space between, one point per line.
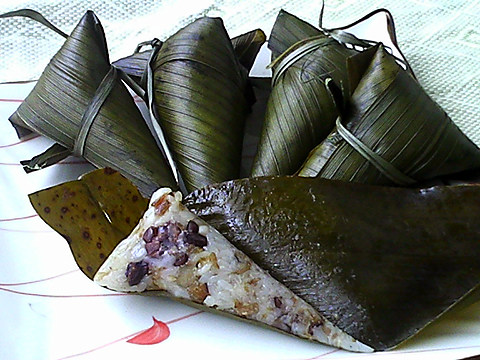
382 165
57 152
295 53
104 89
34 15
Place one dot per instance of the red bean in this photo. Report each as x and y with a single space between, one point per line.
135 272
150 233
192 227
197 239
181 259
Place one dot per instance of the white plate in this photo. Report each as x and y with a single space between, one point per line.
50 310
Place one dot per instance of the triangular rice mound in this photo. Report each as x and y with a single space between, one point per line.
175 252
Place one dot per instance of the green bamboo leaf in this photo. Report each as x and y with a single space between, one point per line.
301 110
288 30
200 100
379 262
80 95
134 65
246 47
391 133
51 156
93 214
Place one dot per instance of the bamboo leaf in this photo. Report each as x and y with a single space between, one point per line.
134 65
200 102
247 46
52 155
301 110
93 214
78 84
378 262
392 116
288 30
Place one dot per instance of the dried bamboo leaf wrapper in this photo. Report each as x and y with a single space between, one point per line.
135 64
247 46
118 136
301 110
200 99
288 30
392 115
379 262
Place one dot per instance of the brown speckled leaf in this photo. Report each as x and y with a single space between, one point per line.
93 214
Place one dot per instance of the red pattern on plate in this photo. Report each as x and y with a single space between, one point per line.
21 141
11 100
157 333
19 218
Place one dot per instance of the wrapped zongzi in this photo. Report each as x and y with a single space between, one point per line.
391 132
81 103
302 109
200 100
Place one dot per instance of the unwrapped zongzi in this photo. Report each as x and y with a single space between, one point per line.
175 252
379 262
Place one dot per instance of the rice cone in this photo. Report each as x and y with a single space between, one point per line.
118 136
201 102
398 134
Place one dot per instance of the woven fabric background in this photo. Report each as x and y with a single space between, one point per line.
440 38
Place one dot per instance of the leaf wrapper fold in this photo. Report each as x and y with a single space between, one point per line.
379 262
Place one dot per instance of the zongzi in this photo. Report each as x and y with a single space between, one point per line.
81 103
379 262
175 252
302 107
391 132
200 99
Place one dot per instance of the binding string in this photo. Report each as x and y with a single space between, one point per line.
34 15
93 108
382 165
298 50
